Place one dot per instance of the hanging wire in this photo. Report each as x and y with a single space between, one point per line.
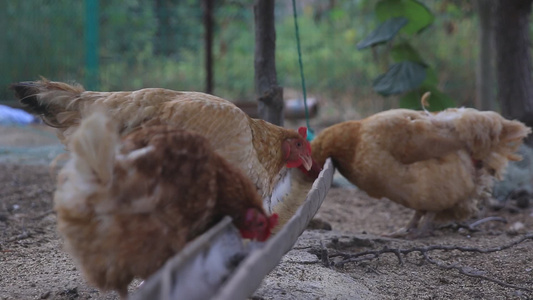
310 134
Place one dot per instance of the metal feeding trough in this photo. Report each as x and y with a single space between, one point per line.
220 265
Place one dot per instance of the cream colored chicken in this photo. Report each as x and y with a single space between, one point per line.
441 165
263 151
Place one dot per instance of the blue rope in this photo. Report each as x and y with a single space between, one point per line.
310 133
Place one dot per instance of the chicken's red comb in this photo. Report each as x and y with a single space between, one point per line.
303 132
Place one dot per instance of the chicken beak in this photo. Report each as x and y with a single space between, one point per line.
307 162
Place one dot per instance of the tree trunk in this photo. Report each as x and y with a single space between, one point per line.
208 25
486 77
514 60
270 95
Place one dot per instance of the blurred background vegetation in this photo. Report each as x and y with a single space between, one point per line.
145 43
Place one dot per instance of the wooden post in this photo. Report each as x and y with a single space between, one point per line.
270 95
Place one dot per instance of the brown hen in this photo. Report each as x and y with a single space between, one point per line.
125 206
441 165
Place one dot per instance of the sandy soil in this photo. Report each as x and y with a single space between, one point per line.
368 218
34 266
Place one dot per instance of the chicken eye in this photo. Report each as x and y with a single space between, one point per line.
298 144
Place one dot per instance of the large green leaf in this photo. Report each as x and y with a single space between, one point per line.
417 13
404 51
384 33
400 78
437 100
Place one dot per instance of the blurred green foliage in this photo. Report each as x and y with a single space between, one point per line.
145 43
407 74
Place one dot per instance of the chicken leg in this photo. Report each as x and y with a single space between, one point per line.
415 228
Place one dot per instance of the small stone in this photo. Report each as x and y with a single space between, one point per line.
515 228
463 231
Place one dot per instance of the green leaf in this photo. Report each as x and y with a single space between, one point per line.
417 13
400 78
431 77
404 51
384 33
437 100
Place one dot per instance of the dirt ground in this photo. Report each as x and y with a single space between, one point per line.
34 266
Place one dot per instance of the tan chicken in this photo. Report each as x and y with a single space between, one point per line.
263 151
125 207
441 165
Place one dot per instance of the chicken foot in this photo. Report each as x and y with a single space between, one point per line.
425 228
403 232
415 228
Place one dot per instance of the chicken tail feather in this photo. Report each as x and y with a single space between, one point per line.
491 138
53 101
